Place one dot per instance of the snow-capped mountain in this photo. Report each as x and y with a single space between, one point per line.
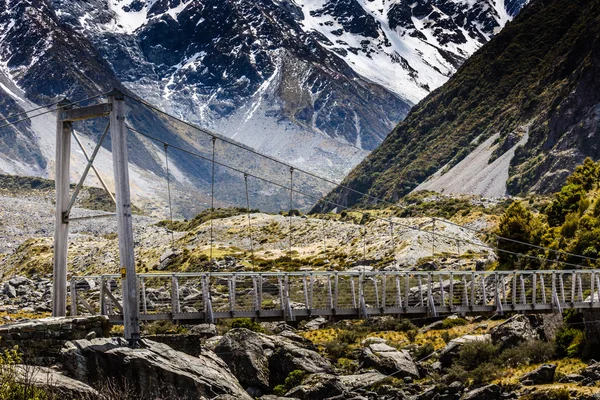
316 82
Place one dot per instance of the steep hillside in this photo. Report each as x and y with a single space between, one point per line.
533 91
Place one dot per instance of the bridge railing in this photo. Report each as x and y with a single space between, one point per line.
347 294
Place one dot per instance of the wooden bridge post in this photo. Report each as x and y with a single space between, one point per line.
73 290
103 310
61 227
175 306
144 298
131 309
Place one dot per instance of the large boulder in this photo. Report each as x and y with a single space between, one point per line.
388 360
318 387
54 381
540 376
153 370
264 361
513 331
489 392
452 349
592 371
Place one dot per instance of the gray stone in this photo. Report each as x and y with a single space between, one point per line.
265 361
91 335
317 387
9 290
206 330
489 392
154 368
55 381
315 324
388 360
514 331
571 378
540 376
592 371
351 382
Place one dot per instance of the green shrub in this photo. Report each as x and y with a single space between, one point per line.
530 352
279 390
350 336
163 327
336 350
248 324
472 354
423 351
568 341
450 323
485 373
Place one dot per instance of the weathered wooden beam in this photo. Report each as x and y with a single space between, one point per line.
124 217
83 113
61 227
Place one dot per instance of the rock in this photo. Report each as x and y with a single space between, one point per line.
54 381
455 387
351 382
541 375
571 378
452 349
277 326
9 290
513 331
18 281
155 368
489 392
315 324
91 335
206 330
388 360
264 361
254 392
592 371
317 387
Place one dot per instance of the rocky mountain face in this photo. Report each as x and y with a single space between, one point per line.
517 117
316 83
319 83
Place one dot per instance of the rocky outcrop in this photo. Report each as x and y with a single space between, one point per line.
539 376
153 369
54 381
388 360
318 387
265 361
489 392
452 349
514 331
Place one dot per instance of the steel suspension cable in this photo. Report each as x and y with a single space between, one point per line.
291 207
249 222
169 194
45 106
212 199
332 203
338 184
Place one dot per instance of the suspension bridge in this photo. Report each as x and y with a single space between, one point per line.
130 297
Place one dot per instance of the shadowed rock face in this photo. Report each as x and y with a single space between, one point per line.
265 361
389 360
153 370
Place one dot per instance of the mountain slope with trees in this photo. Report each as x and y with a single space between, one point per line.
536 81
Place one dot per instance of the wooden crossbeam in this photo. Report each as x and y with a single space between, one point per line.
83 113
